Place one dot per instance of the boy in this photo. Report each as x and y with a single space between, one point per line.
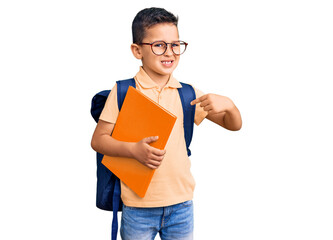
167 208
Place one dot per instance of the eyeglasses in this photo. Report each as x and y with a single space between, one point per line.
160 47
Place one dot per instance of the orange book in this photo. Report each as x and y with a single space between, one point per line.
138 118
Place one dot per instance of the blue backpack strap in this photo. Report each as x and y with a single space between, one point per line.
122 87
187 95
116 202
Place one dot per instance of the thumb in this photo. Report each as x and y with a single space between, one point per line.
150 139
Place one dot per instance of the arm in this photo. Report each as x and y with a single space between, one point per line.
221 110
103 143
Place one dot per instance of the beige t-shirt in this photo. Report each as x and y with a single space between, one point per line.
172 182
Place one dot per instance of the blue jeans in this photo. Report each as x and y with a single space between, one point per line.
172 223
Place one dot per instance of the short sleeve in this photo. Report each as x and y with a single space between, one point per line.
110 111
200 113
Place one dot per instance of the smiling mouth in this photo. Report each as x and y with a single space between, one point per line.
167 63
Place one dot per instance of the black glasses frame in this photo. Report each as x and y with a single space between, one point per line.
151 46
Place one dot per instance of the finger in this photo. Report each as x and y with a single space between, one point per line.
195 101
208 108
150 139
151 166
204 103
153 163
156 158
157 152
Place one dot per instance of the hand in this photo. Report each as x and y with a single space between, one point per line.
213 103
148 155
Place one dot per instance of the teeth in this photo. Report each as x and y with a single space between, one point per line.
166 62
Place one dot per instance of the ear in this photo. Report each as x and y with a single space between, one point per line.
136 50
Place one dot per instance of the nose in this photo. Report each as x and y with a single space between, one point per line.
168 50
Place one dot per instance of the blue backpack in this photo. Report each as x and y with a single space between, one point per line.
108 185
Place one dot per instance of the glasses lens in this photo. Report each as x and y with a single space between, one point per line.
178 47
159 48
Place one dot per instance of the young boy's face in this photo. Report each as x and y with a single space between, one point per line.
159 65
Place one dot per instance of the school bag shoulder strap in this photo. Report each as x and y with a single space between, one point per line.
187 95
122 87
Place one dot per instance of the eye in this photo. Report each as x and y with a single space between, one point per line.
175 44
159 45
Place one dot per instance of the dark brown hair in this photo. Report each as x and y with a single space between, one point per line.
149 17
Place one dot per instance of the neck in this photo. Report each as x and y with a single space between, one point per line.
160 80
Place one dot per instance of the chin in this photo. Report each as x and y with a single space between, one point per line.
165 73
168 70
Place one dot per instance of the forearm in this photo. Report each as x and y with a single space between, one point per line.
149 156
109 146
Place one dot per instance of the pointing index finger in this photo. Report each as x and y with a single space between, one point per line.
198 100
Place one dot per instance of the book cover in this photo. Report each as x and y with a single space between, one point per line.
138 118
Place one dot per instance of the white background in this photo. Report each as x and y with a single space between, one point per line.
271 180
